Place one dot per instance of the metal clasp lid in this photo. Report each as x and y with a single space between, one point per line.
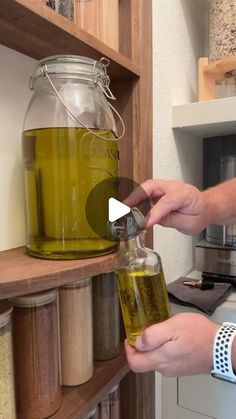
128 226
103 82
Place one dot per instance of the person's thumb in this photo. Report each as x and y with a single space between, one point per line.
153 337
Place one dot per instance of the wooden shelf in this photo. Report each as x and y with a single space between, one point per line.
79 401
23 274
32 28
206 119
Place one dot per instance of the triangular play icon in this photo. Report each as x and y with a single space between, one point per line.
116 209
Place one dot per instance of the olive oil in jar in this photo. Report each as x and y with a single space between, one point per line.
62 166
144 300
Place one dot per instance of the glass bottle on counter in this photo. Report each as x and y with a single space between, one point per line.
141 283
106 317
70 145
76 332
7 393
36 351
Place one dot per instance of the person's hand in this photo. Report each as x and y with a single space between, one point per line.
181 345
176 204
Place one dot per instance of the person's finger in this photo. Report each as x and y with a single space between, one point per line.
148 189
166 205
143 362
155 336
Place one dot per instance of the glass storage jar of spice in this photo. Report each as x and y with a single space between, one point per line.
36 350
69 146
222 25
76 334
106 317
7 393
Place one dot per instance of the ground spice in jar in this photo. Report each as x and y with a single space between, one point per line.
222 28
7 394
106 317
76 332
36 351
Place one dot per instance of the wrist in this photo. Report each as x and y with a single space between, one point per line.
224 349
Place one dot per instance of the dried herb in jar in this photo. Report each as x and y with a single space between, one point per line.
106 317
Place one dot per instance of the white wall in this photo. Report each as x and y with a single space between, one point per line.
178 37
15 70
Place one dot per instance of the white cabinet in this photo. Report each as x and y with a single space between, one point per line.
201 396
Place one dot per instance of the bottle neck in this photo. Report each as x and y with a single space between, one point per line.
134 242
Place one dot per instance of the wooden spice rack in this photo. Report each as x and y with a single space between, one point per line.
209 74
32 28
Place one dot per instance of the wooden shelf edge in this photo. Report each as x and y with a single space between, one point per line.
79 401
206 118
49 33
23 274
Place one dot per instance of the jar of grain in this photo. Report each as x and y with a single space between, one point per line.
35 332
76 334
7 394
106 317
222 28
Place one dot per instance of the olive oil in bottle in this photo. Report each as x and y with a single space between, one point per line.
140 279
62 166
143 299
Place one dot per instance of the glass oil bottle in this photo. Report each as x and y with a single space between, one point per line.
140 278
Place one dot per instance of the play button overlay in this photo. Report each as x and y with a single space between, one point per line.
116 209
105 204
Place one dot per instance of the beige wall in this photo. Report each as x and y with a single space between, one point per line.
178 37
15 70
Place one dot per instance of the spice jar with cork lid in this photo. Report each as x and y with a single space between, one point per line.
36 350
106 317
76 335
7 393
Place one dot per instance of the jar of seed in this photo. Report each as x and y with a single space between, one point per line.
7 394
35 332
222 28
76 335
106 317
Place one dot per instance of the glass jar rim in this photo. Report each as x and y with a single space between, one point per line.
71 66
35 300
5 312
79 283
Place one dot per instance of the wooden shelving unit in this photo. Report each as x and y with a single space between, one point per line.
22 274
32 28
206 119
79 401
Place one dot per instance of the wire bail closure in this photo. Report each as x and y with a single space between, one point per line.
103 82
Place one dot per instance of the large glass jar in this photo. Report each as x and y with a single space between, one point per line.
106 317
69 147
76 332
36 350
7 393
